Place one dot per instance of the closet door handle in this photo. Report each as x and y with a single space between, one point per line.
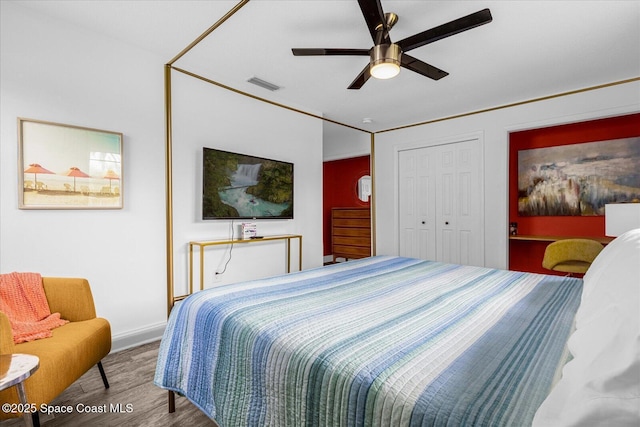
446 223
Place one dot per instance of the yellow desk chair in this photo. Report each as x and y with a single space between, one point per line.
571 255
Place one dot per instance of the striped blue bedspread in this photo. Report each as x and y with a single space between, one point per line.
382 341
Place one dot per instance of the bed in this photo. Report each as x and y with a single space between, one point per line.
382 341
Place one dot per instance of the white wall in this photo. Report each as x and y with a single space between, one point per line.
494 127
55 72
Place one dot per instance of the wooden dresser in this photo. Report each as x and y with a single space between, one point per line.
350 233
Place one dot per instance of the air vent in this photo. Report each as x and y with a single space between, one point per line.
264 84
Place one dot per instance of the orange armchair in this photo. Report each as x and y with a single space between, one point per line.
72 350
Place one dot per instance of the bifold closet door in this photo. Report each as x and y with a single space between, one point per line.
417 210
440 203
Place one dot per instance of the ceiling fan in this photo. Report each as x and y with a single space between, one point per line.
386 57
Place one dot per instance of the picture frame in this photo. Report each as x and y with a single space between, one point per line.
68 167
578 179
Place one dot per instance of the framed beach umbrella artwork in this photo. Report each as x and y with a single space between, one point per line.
68 167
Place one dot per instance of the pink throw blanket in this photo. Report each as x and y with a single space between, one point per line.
23 300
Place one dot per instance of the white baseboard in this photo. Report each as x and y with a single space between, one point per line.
137 337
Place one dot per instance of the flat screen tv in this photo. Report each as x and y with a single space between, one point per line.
239 186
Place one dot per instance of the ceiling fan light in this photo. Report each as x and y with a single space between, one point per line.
385 70
385 61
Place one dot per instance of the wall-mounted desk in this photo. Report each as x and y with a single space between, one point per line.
603 240
527 251
203 244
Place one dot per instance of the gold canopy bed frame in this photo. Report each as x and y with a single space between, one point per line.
171 297
169 67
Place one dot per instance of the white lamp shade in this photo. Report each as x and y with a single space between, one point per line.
621 217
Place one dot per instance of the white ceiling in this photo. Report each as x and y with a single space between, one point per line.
531 49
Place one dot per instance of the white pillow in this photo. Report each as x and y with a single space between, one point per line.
601 384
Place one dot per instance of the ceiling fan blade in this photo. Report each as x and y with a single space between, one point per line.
413 64
361 79
376 22
445 30
328 52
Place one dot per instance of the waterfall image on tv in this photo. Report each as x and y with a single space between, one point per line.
238 186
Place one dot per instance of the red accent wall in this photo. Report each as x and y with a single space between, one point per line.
340 189
527 256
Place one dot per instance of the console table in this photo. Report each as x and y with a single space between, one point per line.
203 244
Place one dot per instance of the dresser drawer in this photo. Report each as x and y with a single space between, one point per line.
340 251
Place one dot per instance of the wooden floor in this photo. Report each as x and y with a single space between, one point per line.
130 373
